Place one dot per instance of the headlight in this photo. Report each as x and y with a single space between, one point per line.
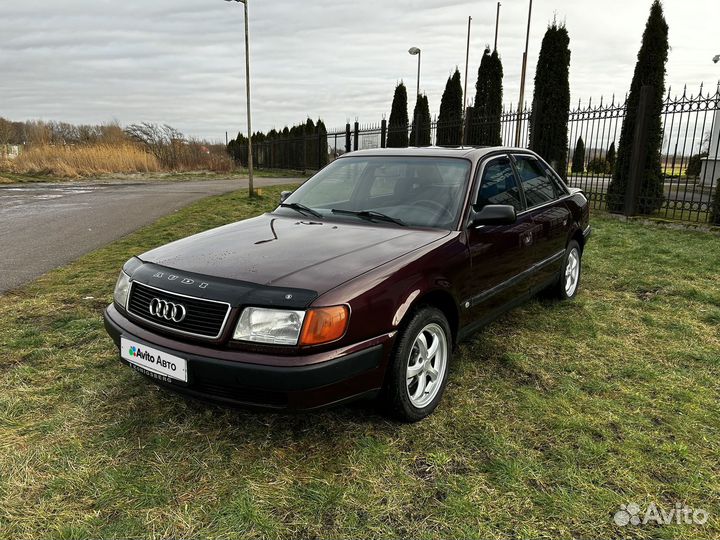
284 327
274 326
122 289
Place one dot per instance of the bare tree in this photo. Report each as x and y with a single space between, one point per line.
6 132
163 141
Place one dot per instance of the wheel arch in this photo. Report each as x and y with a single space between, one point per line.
442 300
579 238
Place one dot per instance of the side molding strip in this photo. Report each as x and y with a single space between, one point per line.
489 293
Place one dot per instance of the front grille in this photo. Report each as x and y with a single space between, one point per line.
204 318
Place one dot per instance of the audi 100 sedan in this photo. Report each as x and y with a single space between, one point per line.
359 284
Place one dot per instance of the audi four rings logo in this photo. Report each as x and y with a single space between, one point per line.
167 310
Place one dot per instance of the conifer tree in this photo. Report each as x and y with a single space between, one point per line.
649 70
551 99
578 159
323 154
610 157
422 111
449 128
484 125
398 123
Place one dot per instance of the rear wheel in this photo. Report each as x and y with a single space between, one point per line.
569 279
418 372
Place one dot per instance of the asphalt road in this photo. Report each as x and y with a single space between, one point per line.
43 226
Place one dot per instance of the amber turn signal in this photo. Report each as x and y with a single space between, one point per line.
323 325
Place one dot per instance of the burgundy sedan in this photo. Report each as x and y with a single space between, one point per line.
359 284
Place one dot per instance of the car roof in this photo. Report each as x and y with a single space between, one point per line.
472 153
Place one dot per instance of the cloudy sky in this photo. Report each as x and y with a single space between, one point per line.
181 62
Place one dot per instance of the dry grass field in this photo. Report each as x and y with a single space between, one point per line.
84 160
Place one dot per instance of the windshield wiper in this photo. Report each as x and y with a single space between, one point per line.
370 215
302 209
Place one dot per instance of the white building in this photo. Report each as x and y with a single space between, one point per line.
710 167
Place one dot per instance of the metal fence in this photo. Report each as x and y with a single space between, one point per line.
690 151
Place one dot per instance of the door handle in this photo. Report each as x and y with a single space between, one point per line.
527 238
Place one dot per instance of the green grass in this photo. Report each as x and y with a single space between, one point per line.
554 416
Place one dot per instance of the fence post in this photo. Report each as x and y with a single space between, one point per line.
638 152
357 135
347 138
304 153
320 150
466 125
383 134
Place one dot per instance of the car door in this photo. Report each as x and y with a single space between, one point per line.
499 254
544 197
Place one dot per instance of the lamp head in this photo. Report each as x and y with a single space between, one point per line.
716 58
414 51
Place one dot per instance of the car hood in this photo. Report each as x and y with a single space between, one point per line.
281 251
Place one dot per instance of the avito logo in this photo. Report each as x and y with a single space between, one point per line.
144 355
137 353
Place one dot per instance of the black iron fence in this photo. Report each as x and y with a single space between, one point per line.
690 151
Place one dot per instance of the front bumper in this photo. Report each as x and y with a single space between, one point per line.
262 380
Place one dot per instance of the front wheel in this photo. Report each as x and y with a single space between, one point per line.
418 371
569 280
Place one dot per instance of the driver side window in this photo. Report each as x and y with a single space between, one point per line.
498 185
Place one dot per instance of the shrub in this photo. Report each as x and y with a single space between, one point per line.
715 209
694 164
599 166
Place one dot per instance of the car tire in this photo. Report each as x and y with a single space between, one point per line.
570 272
418 370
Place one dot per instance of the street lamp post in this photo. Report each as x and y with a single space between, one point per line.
251 190
417 52
518 127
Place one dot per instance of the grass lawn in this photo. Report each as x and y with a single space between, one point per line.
554 416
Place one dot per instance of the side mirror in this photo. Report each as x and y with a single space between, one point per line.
493 214
284 195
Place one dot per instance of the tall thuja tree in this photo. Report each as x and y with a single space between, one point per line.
649 70
551 99
309 144
610 157
578 159
484 127
422 112
449 128
323 152
398 123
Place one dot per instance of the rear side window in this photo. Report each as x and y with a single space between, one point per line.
498 185
538 185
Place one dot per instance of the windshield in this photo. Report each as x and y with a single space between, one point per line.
394 191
